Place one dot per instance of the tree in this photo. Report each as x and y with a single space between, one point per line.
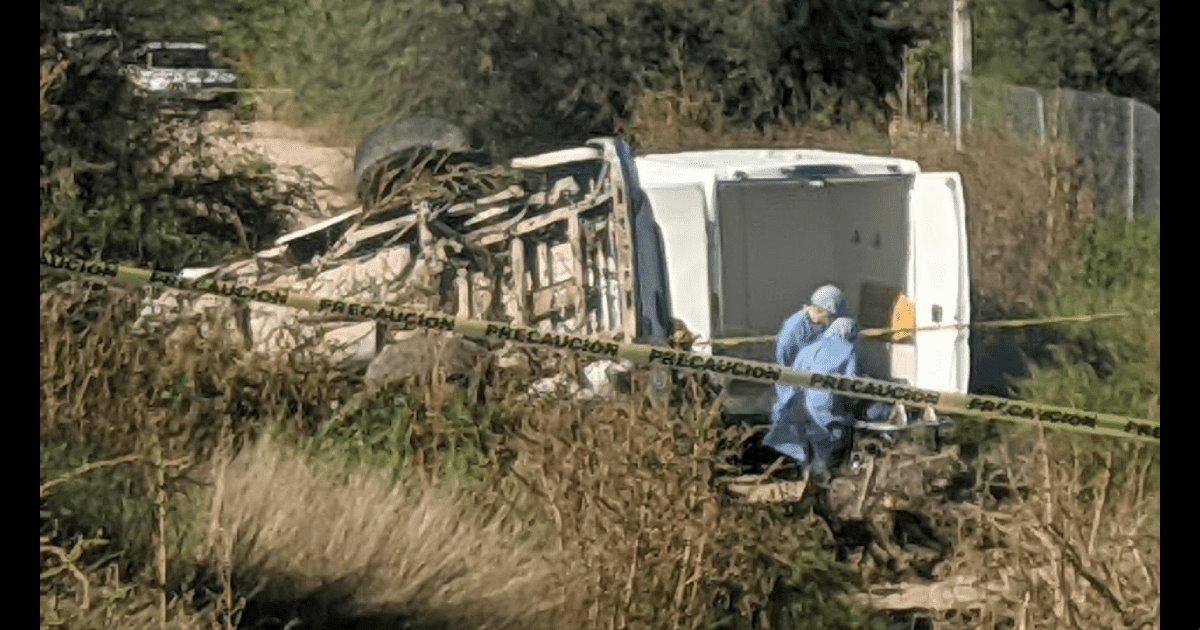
536 71
1096 45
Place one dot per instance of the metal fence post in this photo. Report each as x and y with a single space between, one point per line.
958 63
1041 117
946 98
1131 161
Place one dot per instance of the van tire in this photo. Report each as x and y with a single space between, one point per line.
404 134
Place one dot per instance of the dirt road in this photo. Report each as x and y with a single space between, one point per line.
288 148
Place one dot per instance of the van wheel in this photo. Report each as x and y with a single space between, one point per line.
405 134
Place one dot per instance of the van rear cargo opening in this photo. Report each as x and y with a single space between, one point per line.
748 235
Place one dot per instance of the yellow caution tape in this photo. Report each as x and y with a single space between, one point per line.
1004 323
988 407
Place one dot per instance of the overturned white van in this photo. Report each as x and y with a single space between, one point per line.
748 235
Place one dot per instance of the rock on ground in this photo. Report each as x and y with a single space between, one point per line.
418 353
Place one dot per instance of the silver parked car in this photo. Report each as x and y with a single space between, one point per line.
182 73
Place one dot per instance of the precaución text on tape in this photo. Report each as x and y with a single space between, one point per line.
953 403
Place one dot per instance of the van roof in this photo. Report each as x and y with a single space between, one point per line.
733 164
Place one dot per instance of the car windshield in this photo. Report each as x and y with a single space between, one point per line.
179 58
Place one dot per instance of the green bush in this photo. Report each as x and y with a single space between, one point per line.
122 181
531 72
1109 365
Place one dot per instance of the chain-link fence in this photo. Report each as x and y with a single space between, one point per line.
1117 139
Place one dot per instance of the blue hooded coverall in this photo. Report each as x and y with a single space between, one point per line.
808 425
798 331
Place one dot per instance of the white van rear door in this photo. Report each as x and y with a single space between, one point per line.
679 211
941 283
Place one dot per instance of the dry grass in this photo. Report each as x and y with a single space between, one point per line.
1087 549
1074 543
340 549
629 493
603 513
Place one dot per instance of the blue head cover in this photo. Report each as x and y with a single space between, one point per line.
843 328
829 298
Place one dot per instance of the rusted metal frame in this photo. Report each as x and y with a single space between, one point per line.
353 239
578 269
499 232
554 216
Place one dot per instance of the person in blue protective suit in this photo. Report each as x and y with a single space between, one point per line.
810 426
801 329
797 332
803 326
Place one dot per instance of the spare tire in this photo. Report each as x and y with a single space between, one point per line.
403 134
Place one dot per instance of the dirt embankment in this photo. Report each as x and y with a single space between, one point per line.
291 147
294 150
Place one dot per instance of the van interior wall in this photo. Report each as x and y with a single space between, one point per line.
872 246
780 241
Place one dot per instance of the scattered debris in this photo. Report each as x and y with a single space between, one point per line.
954 593
756 489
